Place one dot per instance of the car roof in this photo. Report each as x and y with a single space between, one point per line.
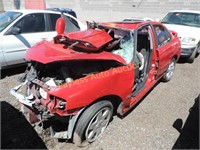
127 25
187 11
139 19
28 11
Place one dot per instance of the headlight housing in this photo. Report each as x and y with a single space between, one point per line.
188 41
42 92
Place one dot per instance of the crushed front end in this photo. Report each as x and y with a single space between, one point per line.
40 107
57 85
46 86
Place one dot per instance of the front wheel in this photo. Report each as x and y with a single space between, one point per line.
194 54
192 57
170 71
92 123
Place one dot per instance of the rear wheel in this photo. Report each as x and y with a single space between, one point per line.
92 123
170 71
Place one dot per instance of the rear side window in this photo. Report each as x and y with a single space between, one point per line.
32 23
162 35
53 19
71 24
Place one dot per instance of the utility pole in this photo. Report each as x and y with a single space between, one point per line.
1 6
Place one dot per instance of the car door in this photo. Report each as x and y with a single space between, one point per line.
29 30
164 48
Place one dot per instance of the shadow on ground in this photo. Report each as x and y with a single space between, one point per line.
183 60
189 133
16 132
12 71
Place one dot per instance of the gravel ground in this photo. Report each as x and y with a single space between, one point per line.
150 125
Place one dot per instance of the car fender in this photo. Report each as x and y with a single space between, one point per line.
72 123
87 87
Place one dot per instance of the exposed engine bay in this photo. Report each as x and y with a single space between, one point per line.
38 80
41 77
62 72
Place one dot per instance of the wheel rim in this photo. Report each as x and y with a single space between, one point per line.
170 70
98 124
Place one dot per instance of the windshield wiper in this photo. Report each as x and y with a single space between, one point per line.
164 22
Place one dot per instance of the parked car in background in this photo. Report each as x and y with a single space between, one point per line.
187 24
64 10
21 29
76 82
131 19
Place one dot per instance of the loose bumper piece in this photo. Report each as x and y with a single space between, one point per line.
23 99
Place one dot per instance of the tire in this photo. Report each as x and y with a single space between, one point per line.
170 71
1 73
192 57
194 54
92 123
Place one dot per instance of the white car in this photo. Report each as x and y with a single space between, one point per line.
21 29
187 24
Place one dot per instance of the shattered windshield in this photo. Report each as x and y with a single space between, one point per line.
182 18
126 47
7 18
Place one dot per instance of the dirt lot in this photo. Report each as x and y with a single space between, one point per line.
150 125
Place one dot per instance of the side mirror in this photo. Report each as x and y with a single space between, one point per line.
175 34
16 30
178 125
60 26
158 19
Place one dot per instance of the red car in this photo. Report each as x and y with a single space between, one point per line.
77 82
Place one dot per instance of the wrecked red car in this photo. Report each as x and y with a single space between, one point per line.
77 82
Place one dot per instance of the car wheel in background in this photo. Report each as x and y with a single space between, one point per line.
194 54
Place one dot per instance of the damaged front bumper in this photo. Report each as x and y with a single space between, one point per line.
61 127
22 99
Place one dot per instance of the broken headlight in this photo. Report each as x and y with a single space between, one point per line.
42 92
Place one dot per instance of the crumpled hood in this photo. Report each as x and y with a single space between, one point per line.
185 31
97 38
47 52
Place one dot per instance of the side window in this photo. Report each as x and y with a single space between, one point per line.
72 24
53 19
144 47
162 35
32 23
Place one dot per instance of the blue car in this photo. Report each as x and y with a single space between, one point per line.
64 10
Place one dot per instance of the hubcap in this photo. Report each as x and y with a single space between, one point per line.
170 70
98 124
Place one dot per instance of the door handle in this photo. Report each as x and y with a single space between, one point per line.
44 38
